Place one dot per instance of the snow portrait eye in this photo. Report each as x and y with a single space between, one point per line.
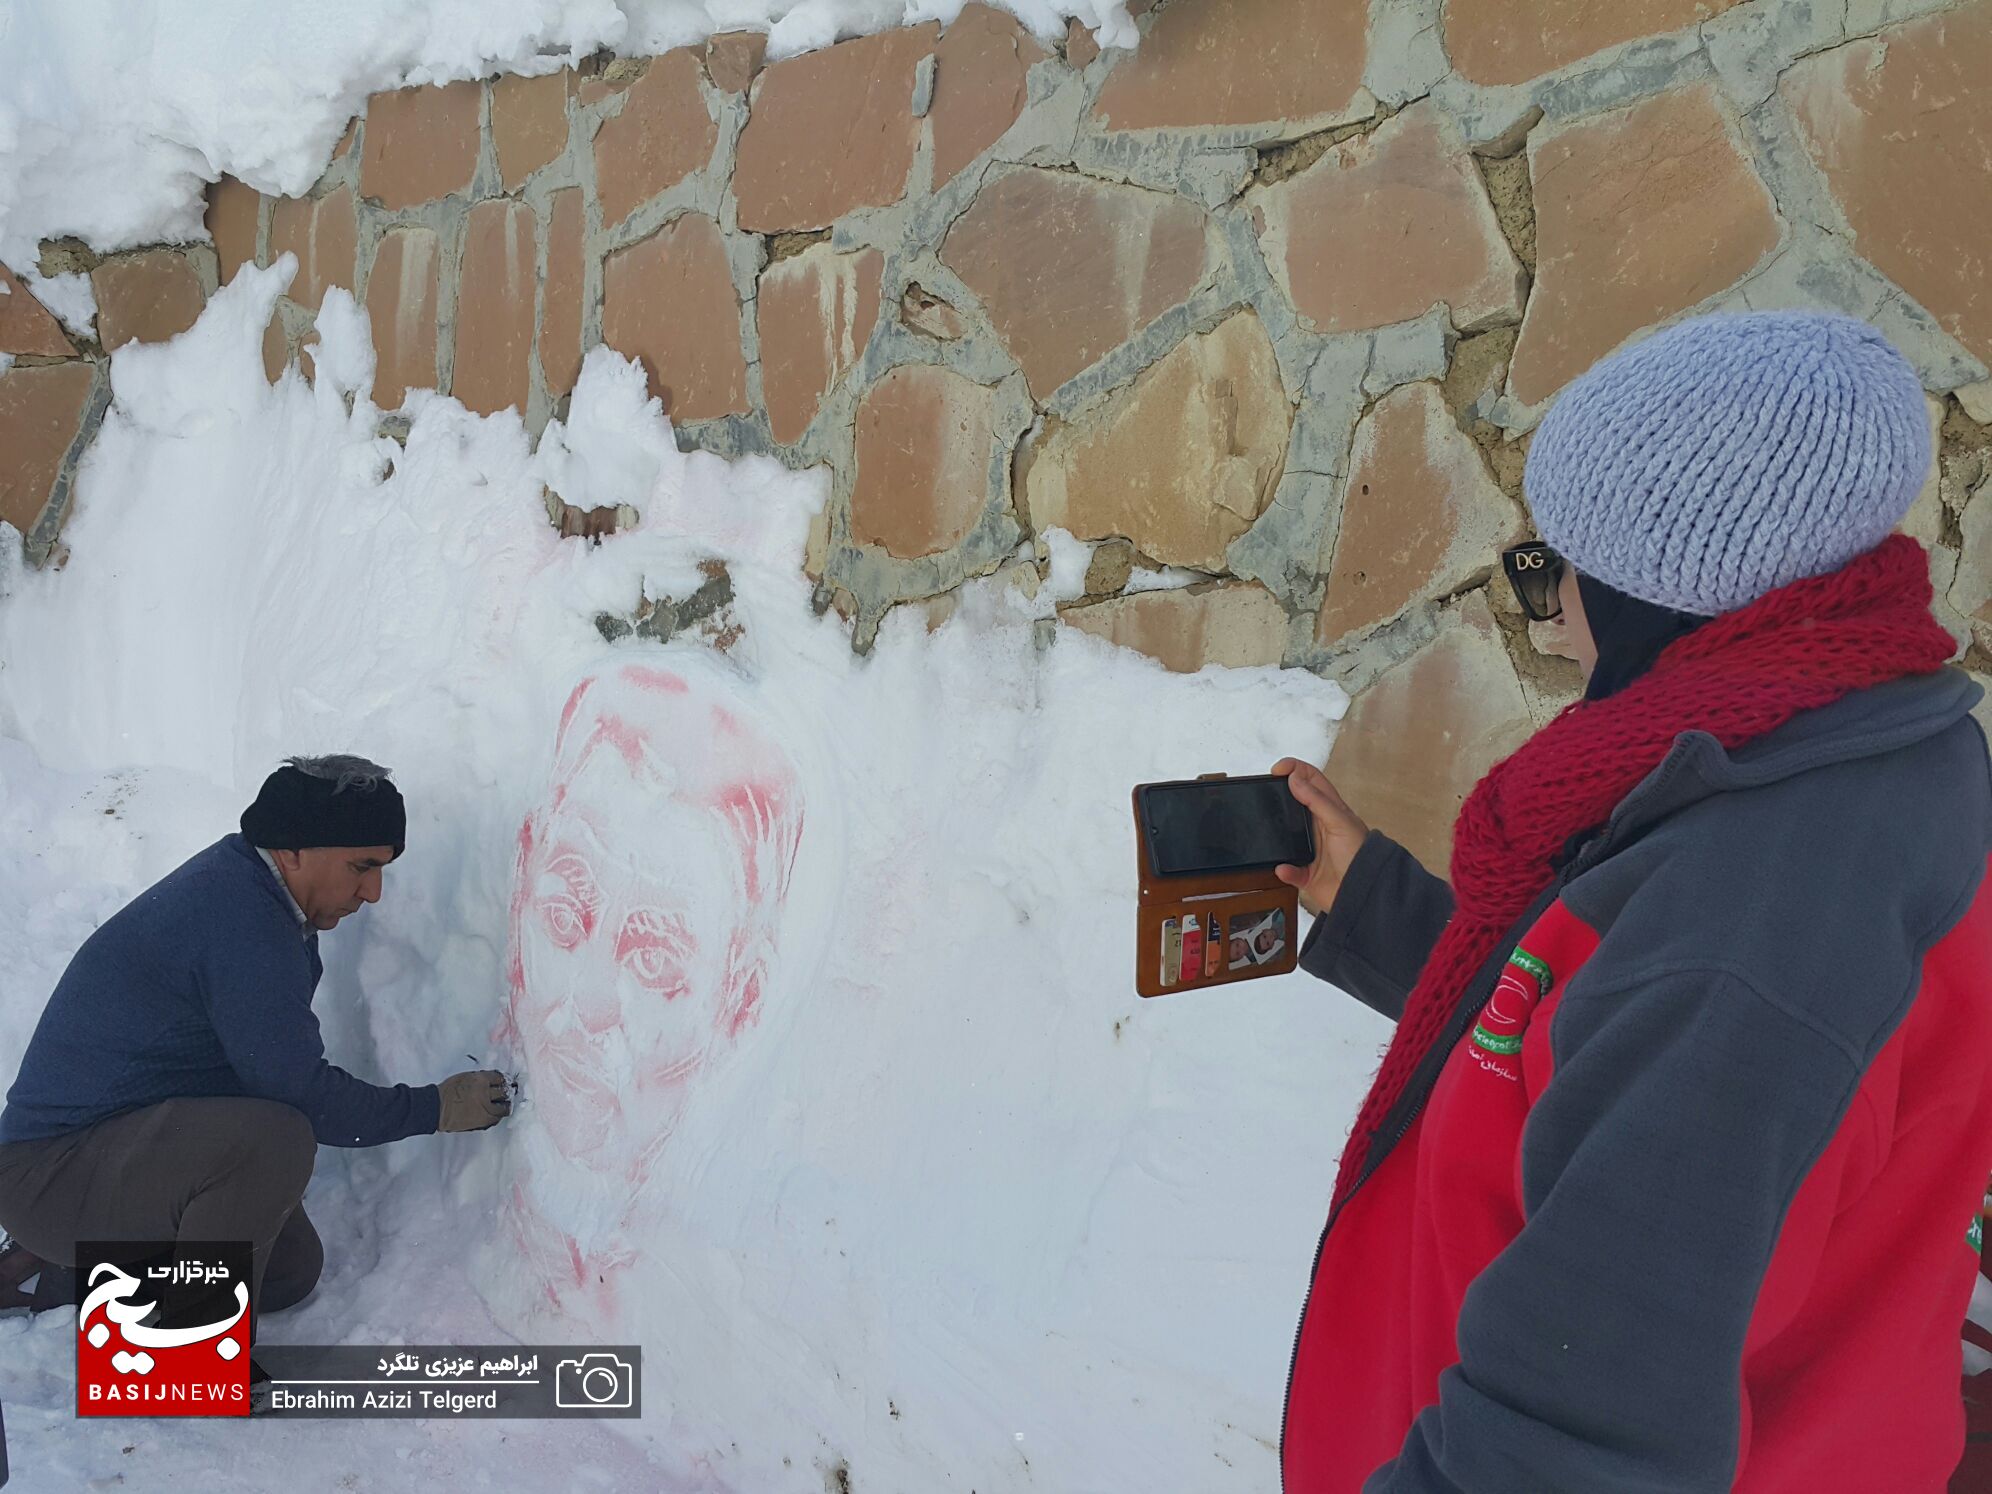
569 899
655 947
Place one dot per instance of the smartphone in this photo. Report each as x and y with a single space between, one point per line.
1224 824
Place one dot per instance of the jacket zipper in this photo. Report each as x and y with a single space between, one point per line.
1380 1149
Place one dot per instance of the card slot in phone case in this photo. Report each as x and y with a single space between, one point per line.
1246 925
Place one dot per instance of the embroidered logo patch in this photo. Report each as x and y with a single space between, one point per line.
1524 982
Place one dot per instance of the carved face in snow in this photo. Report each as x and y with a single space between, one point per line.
650 886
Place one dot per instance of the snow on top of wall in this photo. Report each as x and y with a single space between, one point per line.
115 114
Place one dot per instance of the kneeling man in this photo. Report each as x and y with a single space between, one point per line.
176 1086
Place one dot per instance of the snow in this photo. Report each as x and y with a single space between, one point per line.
69 296
857 1126
1168 578
1070 558
115 114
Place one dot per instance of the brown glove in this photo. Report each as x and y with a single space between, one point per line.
472 1101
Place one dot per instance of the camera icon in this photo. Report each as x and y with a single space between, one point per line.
594 1382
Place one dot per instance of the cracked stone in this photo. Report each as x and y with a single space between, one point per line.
421 144
566 284
1925 519
234 209
733 59
1513 41
1639 215
276 348
1407 353
401 306
529 123
1070 267
604 75
926 312
41 410
1897 123
1387 225
1182 462
924 449
1217 63
1755 45
1080 47
979 89
145 297
1976 400
817 311
1406 56
324 235
1109 568
1971 593
1420 515
1479 367
669 300
1416 741
830 132
1240 624
494 312
27 326
661 137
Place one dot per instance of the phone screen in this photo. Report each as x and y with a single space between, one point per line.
1225 824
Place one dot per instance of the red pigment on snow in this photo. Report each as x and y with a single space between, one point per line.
761 812
626 739
741 1007
571 916
567 711
661 681
515 957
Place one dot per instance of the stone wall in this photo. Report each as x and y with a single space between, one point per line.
1266 308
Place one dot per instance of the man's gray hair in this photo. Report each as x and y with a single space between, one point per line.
347 771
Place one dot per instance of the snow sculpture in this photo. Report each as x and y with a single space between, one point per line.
646 909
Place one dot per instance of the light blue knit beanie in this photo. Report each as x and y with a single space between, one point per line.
1729 456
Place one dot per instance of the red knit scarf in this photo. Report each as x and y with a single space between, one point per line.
1736 678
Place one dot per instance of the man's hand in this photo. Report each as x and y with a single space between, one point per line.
473 1101
1338 835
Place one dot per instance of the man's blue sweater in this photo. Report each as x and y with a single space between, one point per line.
201 985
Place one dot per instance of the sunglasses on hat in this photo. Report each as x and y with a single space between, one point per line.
1536 573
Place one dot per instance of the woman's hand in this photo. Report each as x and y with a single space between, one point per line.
1338 835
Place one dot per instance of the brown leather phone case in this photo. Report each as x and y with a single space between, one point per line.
1255 914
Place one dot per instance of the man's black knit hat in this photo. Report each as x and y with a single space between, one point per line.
326 801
